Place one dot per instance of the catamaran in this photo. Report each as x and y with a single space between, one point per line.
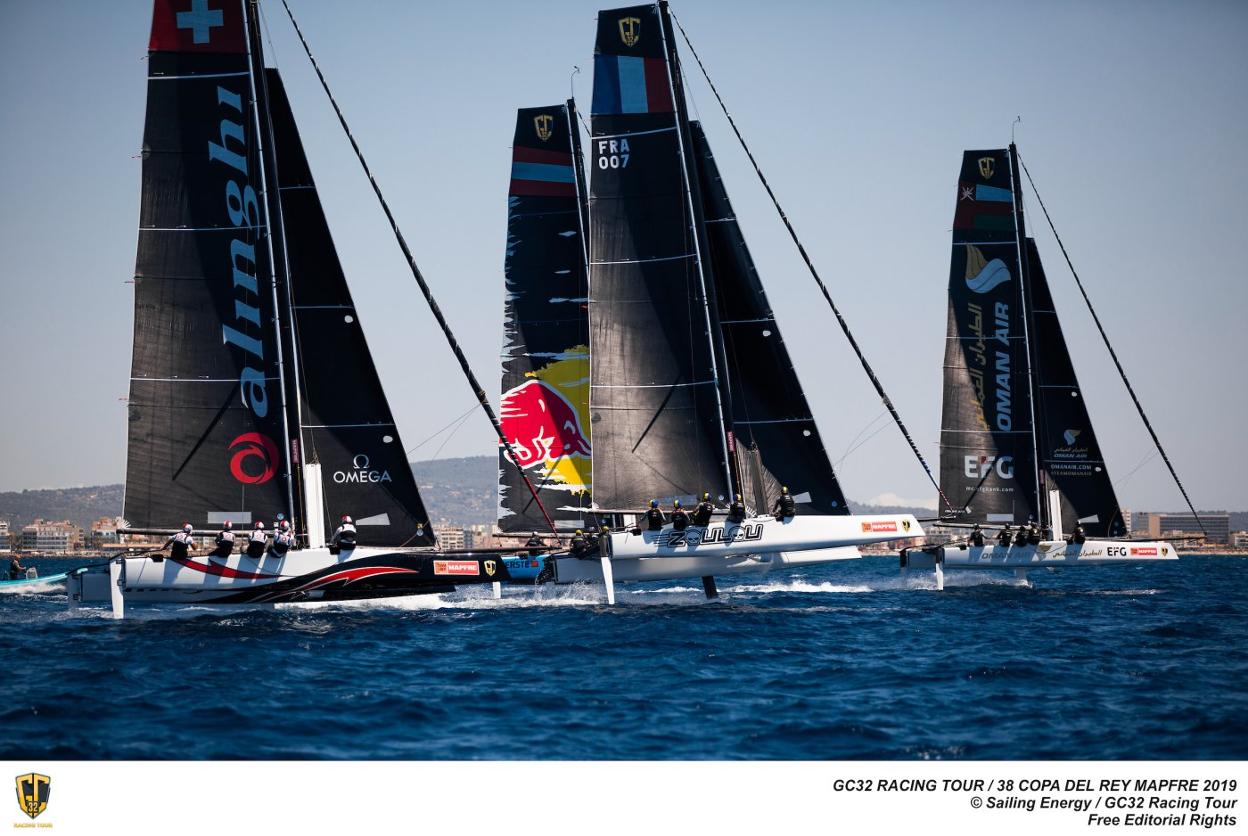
1017 443
643 360
253 395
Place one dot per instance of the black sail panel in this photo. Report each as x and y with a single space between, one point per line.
986 453
206 436
1069 453
347 426
770 412
654 416
545 401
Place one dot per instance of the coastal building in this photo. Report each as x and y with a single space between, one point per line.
45 537
1217 525
103 533
1239 539
450 537
6 537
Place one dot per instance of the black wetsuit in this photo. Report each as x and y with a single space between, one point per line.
258 544
579 546
977 537
785 506
702 513
736 512
680 519
654 519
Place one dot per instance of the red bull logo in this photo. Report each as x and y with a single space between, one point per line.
541 425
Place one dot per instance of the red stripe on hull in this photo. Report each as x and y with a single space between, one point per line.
222 571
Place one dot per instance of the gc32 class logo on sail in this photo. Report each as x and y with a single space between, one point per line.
987 165
33 791
541 124
630 30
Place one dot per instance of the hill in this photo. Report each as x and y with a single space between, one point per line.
460 491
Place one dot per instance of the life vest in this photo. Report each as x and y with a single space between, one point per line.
654 517
181 546
702 514
258 544
344 537
680 519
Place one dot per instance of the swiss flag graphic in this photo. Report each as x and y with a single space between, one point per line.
198 26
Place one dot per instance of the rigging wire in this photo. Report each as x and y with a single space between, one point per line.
1113 354
810 266
434 435
477 391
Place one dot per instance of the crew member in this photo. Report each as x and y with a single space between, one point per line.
578 545
344 534
1020 536
225 540
1033 533
654 517
258 544
284 540
680 517
1003 536
785 506
535 545
604 541
977 536
736 511
702 512
180 544
16 570
1079 536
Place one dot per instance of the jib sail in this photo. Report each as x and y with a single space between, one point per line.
346 423
770 413
986 445
657 427
206 430
1069 453
545 385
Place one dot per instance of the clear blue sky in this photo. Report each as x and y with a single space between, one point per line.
1135 124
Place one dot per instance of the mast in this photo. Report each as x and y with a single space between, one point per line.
693 195
272 209
1024 278
578 170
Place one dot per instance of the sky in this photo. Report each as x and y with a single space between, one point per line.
1134 124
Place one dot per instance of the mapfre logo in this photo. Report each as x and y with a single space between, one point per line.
361 471
255 461
33 791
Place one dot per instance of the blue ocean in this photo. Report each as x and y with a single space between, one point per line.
845 661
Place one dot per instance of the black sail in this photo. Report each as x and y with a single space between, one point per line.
1069 453
545 387
657 431
346 423
206 434
986 446
770 413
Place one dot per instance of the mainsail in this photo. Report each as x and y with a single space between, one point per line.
656 418
1004 343
345 421
770 417
545 400
1069 454
987 451
206 426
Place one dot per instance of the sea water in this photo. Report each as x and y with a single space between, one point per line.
848 660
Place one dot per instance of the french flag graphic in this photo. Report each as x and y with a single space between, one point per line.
630 84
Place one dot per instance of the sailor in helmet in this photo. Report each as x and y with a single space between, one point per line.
225 540
259 542
680 517
180 544
344 535
785 506
977 536
284 540
654 516
736 511
702 512
579 546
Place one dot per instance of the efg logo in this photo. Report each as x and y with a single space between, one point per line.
361 472
256 460
978 467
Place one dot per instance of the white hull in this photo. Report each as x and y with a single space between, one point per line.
755 545
1047 554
